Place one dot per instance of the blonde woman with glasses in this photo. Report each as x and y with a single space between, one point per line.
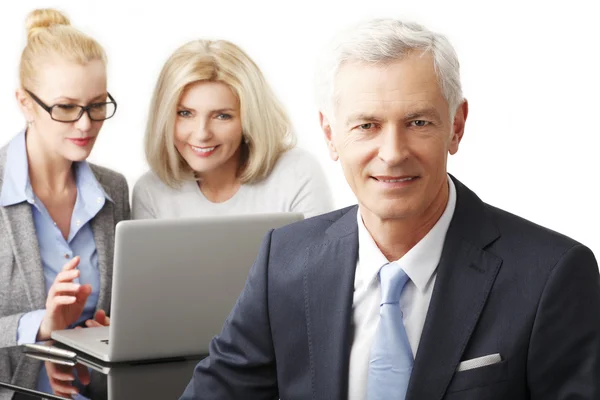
218 142
57 212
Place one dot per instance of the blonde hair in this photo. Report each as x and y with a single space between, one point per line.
50 34
265 125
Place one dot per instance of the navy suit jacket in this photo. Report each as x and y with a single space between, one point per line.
504 285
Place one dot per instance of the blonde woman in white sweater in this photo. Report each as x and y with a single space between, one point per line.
218 142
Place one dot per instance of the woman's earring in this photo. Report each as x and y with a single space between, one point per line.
246 140
29 123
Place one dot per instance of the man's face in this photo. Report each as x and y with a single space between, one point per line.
392 132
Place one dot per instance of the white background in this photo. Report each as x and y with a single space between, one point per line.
530 71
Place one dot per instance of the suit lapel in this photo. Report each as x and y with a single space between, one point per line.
328 293
465 277
22 237
104 236
103 227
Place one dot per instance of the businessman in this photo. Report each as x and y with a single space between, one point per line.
421 291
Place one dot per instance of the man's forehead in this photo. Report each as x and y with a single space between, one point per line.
409 72
404 79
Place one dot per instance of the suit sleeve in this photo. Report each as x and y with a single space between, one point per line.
564 350
241 361
9 325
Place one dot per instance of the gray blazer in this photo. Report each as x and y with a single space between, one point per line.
22 286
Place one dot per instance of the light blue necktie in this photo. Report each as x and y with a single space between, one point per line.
391 360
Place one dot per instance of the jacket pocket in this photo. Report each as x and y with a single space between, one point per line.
478 377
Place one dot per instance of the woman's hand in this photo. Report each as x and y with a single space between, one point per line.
100 319
66 301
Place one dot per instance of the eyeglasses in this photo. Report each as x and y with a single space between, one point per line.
73 112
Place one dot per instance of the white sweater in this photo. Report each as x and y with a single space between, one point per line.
296 184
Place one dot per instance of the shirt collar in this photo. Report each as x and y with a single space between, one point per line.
87 184
16 187
420 262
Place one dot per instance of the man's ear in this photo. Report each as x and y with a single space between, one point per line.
326 127
458 128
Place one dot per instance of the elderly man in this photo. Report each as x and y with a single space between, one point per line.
422 291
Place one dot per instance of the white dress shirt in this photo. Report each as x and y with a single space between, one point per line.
420 264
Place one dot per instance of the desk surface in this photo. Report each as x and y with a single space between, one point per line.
23 373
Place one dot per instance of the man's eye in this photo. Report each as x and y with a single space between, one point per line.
420 123
367 127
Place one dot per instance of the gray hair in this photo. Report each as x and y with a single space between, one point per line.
383 41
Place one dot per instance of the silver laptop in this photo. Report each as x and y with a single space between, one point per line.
175 282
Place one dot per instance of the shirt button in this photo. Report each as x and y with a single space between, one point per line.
66 256
99 200
78 222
